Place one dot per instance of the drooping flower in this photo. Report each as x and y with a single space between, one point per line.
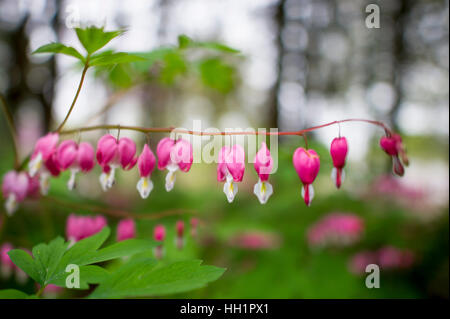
336 229
179 227
307 165
263 167
126 229
51 291
43 150
113 153
146 164
15 188
159 233
33 187
75 157
194 226
394 147
43 160
174 155
388 258
338 151
80 227
231 169
7 266
255 240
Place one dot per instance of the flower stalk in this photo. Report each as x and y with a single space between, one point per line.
202 133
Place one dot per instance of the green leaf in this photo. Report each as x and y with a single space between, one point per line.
59 48
93 39
217 46
49 261
111 58
174 64
217 75
25 262
90 274
151 58
143 276
123 248
12 294
120 76
185 42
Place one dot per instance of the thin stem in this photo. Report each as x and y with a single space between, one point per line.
306 140
116 212
184 131
83 74
12 130
40 291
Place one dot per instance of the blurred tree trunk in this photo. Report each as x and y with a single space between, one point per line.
400 58
279 22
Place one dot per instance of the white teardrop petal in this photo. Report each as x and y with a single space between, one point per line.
71 181
170 180
230 189
35 165
11 204
144 186
263 190
104 181
44 182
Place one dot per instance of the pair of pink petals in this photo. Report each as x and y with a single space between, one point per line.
307 165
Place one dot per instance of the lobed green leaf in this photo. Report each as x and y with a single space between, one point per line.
56 47
93 39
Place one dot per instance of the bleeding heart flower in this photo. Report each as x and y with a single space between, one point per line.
338 151
7 266
307 165
43 150
126 229
174 155
113 153
15 188
44 153
159 233
80 227
179 227
394 147
231 169
75 157
146 164
263 167
336 229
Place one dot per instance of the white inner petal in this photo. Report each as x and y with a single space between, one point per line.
263 190
35 165
71 181
111 176
44 182
170 180
311 193
11 204
144 186
230 189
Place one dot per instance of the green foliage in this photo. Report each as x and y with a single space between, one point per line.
143 276
93 39
12 294
109 57
49 261
140 276
60 48
185 42
217 74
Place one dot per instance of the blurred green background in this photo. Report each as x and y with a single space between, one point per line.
300 63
